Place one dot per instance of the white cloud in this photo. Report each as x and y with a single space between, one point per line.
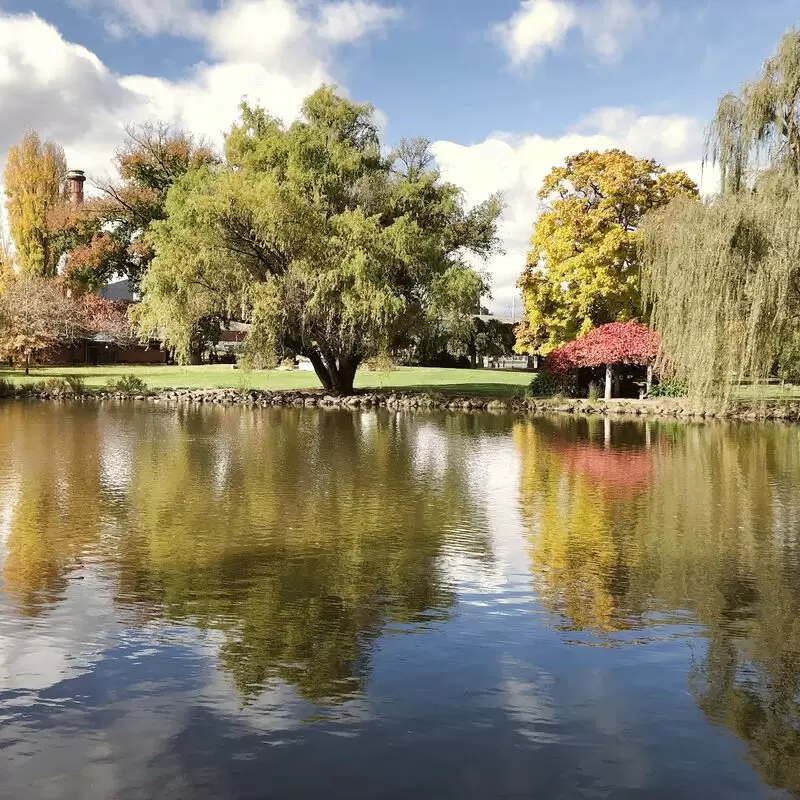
60 89
267 32
517 165
349 20
274 52
540 26
257 24
148 17
537 26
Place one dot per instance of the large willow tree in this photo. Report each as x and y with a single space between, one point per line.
724 275
333 249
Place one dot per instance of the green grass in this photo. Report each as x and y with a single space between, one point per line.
491 383
772 391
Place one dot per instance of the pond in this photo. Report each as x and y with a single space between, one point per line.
255 603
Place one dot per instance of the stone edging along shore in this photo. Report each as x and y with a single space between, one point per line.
661 407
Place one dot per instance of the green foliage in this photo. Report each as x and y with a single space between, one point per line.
669 387
127 384
724 279
724 276
65 387
76 384
545 384
760 124
382 362
329 247
583 269
788 361
594 391
7 388
493 338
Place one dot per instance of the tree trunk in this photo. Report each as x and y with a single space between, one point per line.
27 363
335 376
315 357
609 378
649 378
346 375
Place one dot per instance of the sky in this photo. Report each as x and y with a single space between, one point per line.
505 89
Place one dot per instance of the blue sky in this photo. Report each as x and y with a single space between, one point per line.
505 88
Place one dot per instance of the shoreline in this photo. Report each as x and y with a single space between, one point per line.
680 408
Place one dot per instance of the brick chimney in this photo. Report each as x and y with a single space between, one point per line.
75 180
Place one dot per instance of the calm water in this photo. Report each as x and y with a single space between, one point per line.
238 603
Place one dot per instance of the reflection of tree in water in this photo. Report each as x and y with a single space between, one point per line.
55 517
581 559
715 532
300 535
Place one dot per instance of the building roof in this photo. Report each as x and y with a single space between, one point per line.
504 320
118 290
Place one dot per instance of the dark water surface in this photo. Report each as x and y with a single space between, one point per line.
246 603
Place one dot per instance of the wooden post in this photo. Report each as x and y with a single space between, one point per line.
609 376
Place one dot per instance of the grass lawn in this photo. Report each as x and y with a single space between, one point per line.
444 381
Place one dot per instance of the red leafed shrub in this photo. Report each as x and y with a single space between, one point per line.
615 343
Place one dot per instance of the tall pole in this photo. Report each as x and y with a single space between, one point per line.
608 381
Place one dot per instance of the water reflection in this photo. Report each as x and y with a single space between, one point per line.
208 602
671 520
299 541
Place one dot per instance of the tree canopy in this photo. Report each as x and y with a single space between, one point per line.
36 315
614 343
723 276
332 248
106 235
34 177
583 270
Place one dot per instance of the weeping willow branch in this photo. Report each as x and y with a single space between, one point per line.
759 127
723 279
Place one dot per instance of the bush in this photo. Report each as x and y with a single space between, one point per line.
545 384
56 386
127 384
76 384
668 388
379 363
594 391
64 387
7 388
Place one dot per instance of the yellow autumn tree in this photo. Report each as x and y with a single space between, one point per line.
582 268
34 175
6 263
